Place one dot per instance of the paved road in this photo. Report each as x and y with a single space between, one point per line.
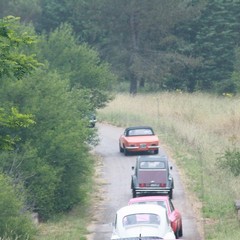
116 172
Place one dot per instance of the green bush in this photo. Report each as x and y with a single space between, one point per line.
230 160
15 222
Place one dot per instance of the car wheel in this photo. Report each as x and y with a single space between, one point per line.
171 194
156 151
180 232
125 151
120 148
134 193
177 234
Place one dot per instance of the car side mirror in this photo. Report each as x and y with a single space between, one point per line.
171 168
132 167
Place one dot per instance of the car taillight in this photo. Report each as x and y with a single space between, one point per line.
162 184
142 184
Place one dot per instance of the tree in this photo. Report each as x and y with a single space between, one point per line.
134 36
79 63
15 220
13 63
216 35
52 159
28 10
10 123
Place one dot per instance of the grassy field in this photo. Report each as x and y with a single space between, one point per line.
196 129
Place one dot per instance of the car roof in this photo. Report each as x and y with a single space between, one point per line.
163 158
148 199
146 208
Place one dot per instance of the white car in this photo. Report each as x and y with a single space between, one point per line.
142 221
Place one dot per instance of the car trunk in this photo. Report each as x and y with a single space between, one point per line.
153 177
141 139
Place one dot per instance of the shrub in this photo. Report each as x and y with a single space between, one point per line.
15 222
230 160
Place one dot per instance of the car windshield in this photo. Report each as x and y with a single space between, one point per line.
140 132
152 165
141 218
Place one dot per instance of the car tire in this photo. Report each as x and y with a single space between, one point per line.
120 148
156 151
134 193
170 194
126 153
177 234
180 232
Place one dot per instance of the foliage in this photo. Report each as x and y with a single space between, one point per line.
12 122
55 161
15 65
12 62
79 63
139 46
230 160
52 159
214 38
15 222
153 45
27 10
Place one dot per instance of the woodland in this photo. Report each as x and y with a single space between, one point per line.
62 60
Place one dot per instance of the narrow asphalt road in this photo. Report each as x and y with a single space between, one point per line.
116 172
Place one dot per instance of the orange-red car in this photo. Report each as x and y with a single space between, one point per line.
138 139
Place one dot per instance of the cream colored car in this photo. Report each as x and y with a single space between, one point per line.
146 221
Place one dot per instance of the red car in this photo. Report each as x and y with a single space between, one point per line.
138 139
164 201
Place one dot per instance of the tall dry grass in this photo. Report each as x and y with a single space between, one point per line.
197 128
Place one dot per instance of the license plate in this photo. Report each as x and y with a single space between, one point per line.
154 185
143 145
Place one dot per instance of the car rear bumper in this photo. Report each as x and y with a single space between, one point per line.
138 148
147 191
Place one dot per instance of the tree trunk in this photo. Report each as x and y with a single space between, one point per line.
133 84
133 32
142 83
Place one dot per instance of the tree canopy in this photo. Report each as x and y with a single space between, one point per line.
150 44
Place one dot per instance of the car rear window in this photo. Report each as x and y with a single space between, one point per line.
140 132
152 165
141 218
